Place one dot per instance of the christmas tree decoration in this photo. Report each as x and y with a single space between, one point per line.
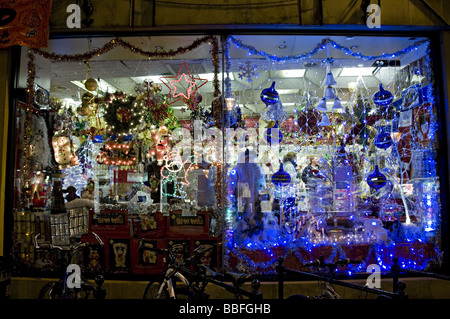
118 154
270 96
281 178
91 84
175 172
86 100
382 97
329 93
325 121
337 104
383 140
376 179
272 130
329 79
182 79
248 71
322 106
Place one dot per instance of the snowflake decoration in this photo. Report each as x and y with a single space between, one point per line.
248 71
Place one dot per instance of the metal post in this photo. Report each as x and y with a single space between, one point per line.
280 271
395 269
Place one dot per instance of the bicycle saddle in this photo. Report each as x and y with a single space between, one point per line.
238 279
209 273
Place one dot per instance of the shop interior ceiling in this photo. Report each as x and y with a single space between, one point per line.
123 69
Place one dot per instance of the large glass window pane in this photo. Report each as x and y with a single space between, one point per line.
331 152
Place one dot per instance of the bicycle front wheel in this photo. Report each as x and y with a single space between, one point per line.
153 291
51 290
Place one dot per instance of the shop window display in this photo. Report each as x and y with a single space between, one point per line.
326 149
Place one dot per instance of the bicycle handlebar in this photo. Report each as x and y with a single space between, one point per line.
195 254
72 247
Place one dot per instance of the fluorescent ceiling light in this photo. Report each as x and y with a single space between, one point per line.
356 72
102 85
210 76
295 73
152 78
287 91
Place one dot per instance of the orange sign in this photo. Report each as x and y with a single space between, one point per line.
24 22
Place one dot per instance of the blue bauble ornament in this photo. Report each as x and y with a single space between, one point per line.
269 134
376 180
281 178
383 140
270 95
382 97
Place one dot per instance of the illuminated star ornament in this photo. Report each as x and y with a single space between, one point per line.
183 86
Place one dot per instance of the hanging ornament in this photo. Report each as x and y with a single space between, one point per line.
86 100
248 71
281 178
269 133
64 151
329 79
382 97
325 121
329 93
183 79
322 106
383 140
91 84
376 180
337 104
270 95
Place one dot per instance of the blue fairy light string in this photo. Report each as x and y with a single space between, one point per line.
322 46
381 253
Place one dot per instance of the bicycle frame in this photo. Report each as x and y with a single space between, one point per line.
168 283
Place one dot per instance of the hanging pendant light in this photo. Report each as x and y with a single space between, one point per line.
329 80
337 104
325 121
322 106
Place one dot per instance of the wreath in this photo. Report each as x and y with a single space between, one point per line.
123 114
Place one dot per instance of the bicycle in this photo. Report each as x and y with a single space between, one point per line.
194 276
326 276
70 255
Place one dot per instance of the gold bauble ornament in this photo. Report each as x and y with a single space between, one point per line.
91 84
